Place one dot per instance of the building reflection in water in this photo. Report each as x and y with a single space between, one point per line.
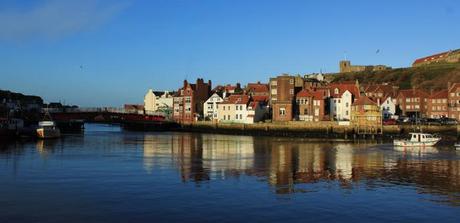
287 164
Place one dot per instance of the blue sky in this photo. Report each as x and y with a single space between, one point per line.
109 52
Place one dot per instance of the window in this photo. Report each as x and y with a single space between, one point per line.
291 91
282 111
291 81
346 105
224 108
241 116
336 91
236 116
241 107
237 107
228 117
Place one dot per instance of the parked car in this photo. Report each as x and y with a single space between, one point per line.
403 119
448 121
389 121
430 121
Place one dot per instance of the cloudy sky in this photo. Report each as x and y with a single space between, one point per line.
109 52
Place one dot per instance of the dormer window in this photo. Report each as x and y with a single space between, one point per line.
336 91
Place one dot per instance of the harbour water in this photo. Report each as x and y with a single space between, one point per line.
111 175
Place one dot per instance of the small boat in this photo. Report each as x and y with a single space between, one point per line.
417 140
48 130
457 146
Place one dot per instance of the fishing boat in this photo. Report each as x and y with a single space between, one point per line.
418 140
48 130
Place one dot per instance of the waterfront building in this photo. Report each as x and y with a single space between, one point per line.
188 101
387 106
342 96
437 104
413 102
454 100
239 109
156 101
282 94
366 116
150 103
310 105
210 107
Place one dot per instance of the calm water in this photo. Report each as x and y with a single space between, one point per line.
108 175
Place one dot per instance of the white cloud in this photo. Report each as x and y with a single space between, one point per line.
56 18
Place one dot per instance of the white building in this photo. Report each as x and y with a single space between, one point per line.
153 102
388 107
210 107
237 109
150 102
165 101
342 96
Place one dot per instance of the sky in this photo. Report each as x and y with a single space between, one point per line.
95 53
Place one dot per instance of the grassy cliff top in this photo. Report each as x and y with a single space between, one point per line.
433 77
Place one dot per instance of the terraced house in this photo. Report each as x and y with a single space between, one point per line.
413 102
454 100
437 105
188 101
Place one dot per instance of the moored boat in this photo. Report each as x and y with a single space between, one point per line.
48 130
418 140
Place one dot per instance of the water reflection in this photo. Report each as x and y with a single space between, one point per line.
288 164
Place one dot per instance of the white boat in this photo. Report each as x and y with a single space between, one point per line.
417 140
457 146
48 130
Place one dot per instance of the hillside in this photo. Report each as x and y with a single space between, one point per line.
434 77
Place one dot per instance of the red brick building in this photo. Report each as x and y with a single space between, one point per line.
282 93
189 100
454 101
437 105
413 102
310 105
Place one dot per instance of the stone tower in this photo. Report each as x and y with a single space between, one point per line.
345 66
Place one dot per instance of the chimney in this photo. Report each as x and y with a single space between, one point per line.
185 83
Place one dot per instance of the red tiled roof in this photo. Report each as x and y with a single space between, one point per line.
440 94
454 86
432 57
364 100
260 98
304 93
343 87
257 87
410 93
236 99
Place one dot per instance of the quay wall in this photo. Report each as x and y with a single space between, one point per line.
312 129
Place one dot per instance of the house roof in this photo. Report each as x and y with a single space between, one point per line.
454 86
440 94
260 98
316 94
343 87
364 100
258 87
432 57
409 93
236 99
